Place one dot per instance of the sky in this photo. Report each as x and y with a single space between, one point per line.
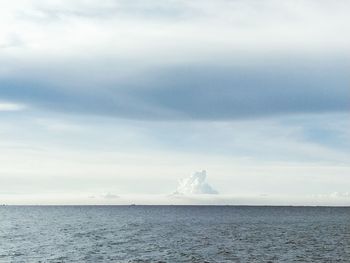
175 102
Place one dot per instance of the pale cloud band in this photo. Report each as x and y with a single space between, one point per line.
9 106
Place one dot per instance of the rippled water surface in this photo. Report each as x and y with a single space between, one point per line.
174 234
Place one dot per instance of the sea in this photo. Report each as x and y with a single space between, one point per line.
174 234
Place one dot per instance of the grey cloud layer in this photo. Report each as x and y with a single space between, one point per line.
190 92
176 59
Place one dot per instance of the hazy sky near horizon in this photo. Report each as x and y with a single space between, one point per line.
102 99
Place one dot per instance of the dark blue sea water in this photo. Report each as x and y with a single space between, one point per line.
174 234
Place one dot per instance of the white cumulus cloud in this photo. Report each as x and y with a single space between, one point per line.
195 184
109 196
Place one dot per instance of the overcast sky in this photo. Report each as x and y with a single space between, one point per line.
120 101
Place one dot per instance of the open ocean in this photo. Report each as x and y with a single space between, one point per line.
174 234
